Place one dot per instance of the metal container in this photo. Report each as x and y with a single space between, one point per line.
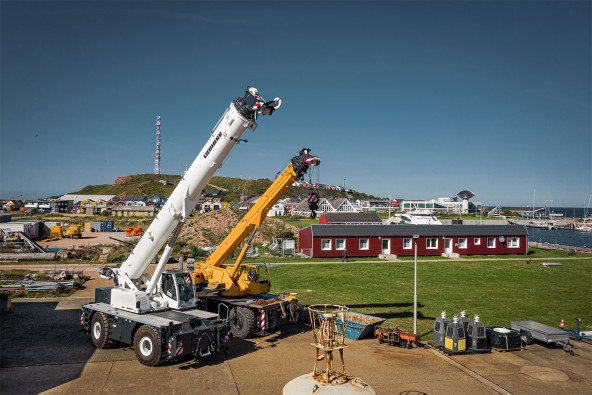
477 335
358 325
440 329
106 226
455 340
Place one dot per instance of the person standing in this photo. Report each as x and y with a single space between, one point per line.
345 256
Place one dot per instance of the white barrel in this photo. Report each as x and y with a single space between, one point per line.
226 134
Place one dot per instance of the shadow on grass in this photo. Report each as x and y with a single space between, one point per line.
379 310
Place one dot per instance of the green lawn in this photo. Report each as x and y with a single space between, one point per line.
499 291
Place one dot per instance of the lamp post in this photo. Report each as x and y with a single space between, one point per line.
415 238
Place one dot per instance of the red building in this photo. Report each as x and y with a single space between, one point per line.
330 241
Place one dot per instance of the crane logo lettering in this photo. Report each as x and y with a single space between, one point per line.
212 145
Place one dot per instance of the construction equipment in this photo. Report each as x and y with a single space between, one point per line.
245 287
56 232
396 337
74 231
157 314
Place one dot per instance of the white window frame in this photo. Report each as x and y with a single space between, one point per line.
407 244
429 242
492 245
337 242
462 242
324 243
513 242
366 247
477 241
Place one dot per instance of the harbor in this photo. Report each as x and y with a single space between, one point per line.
561 239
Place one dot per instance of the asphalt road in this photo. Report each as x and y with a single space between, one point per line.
42 351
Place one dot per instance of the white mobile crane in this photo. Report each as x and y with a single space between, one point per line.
157 313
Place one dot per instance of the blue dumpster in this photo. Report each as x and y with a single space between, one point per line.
358 325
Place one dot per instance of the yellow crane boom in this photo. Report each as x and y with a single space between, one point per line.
229 280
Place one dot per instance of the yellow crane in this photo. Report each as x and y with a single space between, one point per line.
242 288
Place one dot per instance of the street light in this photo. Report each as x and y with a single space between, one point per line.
415 238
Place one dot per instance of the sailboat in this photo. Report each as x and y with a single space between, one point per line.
585 225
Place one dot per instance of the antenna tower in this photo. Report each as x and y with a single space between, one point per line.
157 155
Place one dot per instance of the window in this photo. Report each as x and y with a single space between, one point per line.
340 244
325 244
169 288
513 242
364 244
491 242
460 333
431 243
477 241
462 242
406 244
450 332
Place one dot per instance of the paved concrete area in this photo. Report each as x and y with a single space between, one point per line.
42 351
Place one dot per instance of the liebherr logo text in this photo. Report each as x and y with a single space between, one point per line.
212 145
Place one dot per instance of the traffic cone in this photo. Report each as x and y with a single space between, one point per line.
562 323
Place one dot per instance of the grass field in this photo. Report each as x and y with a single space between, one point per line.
499 291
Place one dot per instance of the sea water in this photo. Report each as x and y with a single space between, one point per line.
560 236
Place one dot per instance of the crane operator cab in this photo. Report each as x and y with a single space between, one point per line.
177 289
257 278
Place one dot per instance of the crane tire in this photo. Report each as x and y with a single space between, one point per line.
99 330
242 322
147 346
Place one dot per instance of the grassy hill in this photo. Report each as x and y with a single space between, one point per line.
139 184
234 188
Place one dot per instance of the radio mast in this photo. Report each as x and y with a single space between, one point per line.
157 154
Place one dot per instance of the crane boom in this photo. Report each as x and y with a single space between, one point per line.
238 117
211 270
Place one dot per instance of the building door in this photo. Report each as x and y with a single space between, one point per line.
386 246
448 246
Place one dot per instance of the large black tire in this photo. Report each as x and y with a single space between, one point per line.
147 346
242 322
99 330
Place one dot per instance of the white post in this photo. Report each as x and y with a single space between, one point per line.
415 238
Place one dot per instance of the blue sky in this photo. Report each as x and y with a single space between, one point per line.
413 100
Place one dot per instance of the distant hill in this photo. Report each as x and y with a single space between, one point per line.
233 188
139 184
